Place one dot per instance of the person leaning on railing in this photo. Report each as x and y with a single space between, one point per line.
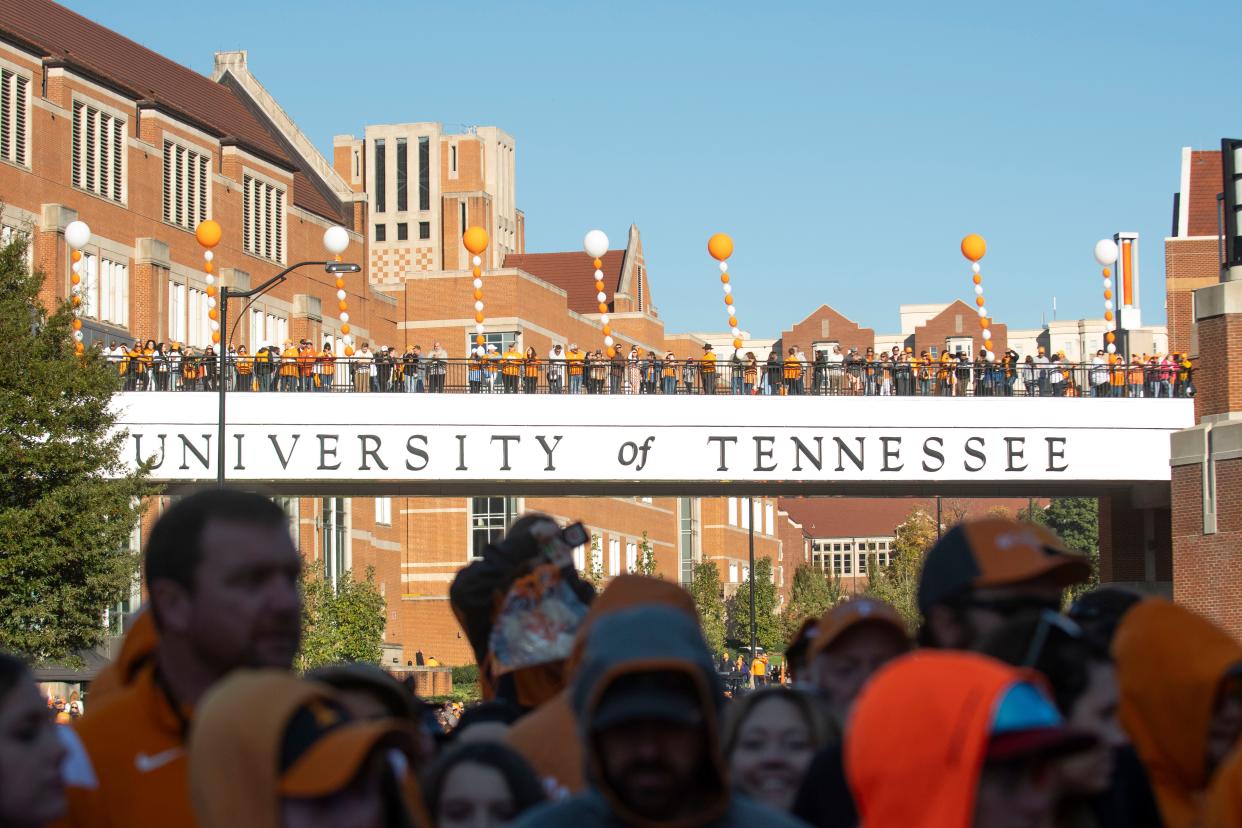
793 371
243 364
575 360
437 369
530 371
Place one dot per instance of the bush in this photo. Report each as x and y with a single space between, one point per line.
466 674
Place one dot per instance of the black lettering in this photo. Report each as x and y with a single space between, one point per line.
325 450
933 452
138 450
186 445
724 465
549 449
284 461
890 454
764 452
975 452
505 439
417 452
370 444
1015 448
239 466
461 453
1056 451
801 450
856 459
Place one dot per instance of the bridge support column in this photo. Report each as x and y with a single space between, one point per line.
1135 540
1207 467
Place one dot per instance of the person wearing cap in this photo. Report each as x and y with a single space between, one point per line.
1181 702
647 700
1041 368
853 640
707 369
956 740
982 572
556 369
270 750
491 368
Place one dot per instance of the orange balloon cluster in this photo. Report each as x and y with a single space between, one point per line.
1109 336
208 234
603 307
720 246
974 248
75 299
475 240
343 307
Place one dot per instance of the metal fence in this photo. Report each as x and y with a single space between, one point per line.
467 376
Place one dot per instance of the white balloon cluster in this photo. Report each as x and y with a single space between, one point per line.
1106 256
77 236
595 243
335 241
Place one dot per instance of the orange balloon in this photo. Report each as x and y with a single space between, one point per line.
1110 336
476 272
213 314
345 328
349 351
208 233
979 301
599 286
208 266
478 294
342 305
77 324
78 348
599 265
340 284
978 280
77 300
724 278
728 298
76 278
480 339
737 343
76 255
478 317
603 308
987 343
1107 273
1108 315
215 337
732 321
612 352
1108 294
607 330
475 239
983 321
973 247
211 290
720 246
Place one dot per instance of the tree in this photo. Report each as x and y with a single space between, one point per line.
345 623
593 573
705 590
898 583
1077 521
68 503
768 632
813 592
646 564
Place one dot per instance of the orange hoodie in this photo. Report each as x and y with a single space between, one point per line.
548 736
1224 807
915 742
1170 664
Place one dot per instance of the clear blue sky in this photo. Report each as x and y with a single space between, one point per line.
846 150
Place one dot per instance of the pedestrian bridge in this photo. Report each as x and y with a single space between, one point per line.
461 444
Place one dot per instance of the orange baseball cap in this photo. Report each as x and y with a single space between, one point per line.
994 552
853 613
324 750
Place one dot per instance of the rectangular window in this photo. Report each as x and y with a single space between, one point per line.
769 519
258 333
333 537
383 511
424 173
381 175
580 558
424 229
614 557
745 513
463 224
402 176
185 186
97 157
263 219
687 539
962 344
14 117
176 312
381 232
196 313
489 517
453 157
501 339
862 564
731 518
631 557
733 573
106 290
403 231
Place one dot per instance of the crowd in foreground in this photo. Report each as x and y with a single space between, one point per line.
607 710
300 366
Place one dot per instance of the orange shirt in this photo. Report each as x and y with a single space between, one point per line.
306 361
707 365
289 362
574 358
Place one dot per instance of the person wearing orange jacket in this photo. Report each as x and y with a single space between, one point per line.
289 367
222 574
325 367
574 357
306 366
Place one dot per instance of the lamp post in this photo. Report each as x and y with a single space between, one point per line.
334 267
750 504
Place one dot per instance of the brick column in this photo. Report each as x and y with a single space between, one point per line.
1135 541
1207 467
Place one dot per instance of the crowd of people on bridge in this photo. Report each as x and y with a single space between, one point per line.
1001 710
569 369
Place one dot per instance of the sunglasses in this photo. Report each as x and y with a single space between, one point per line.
1016 605
1048 621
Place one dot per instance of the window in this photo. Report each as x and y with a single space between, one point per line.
733 573
106 294
489 516
381 175
631 556
614 556
769 518
290 507
965 344
745 512
263 219
381 232
14 117
731 517
597 555
402 175
383 511
580 558
686 539
862 564
117 615
196 314
424 229
501 339
176 312
424 173
185 186
403 231
98 151
333 537
453 158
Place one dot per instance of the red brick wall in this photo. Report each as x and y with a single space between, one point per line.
1206 180
1218 380
844 330
1123 541
1208 579
1189 264
958 319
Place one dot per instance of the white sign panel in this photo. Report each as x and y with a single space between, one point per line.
307 438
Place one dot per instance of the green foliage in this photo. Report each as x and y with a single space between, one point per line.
341 624
768 631
466 674
705 590
1077 521
813 592
68 504
594 572
646 564
898 583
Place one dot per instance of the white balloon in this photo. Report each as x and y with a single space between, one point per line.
348 339
1108 284
601 296
733 311
983 311
476 261
208 255
77 335
603 319
344 316
478 283
340 294
599 275
724 267
1105 252
986 334
1112 349
211 279
215 326
211 302
595 243
608 341
478 306
479 327
978 290
974 267
728 289
77 234
1108 304
335 239
736 332
76 267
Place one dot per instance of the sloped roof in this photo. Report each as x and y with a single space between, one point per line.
117 62
573 273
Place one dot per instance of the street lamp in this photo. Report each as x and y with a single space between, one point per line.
333 267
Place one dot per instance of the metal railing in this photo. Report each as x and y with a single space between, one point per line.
467 376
